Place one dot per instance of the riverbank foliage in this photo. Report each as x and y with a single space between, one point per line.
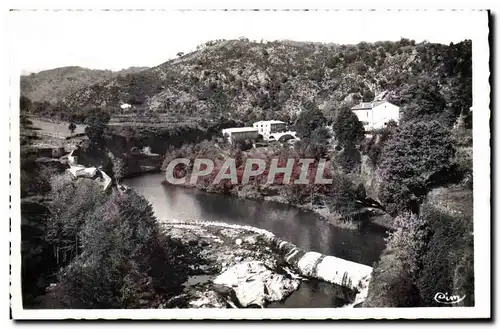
340 197
426 168
102 250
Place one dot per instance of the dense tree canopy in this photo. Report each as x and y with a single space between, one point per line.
309 120
96 121
347 129
424 102
413 153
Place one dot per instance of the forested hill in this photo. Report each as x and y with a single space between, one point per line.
250 80
53 85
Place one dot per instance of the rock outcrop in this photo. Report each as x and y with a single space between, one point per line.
255 284
371 181
250 259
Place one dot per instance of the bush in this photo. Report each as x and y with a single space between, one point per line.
349 159
35 179
394 278
448 264
368 96
341 197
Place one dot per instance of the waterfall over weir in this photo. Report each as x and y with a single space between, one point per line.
309 264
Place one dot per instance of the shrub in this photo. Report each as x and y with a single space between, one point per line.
448 262
342 196
72 127
35 179
368 96
394 277
373 147
349 158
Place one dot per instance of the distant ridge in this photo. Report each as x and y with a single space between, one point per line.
251 81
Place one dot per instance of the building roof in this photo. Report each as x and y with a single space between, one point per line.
239 129
368 105
269 121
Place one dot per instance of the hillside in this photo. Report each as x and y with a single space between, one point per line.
248 80
53 85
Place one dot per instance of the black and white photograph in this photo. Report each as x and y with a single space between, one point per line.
249 164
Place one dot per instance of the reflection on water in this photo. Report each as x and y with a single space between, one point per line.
302 228
314 294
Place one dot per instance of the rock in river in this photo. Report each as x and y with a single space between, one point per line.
255 284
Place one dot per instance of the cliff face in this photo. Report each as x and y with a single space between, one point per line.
371 180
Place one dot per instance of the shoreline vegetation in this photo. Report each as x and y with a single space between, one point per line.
322 212
418 171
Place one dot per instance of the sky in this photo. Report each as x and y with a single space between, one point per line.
115 40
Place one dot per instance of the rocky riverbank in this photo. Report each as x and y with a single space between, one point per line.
249 267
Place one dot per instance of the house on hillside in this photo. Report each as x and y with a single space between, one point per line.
125 106
240 134
376 114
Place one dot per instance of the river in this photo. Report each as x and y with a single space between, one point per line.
303 228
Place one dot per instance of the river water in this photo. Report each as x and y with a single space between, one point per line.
303 228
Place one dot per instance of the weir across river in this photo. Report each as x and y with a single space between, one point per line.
309 264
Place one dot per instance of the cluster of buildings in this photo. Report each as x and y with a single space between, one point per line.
270 130
373 115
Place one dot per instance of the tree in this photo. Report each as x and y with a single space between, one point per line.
394 280
415 152
342 197
25 122
424 101
309 120
118 169
368 96
72 128
96 121
320 135
126 258
25 104
347 129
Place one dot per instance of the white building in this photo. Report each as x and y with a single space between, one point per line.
240 134
125 106
266 128
376 115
